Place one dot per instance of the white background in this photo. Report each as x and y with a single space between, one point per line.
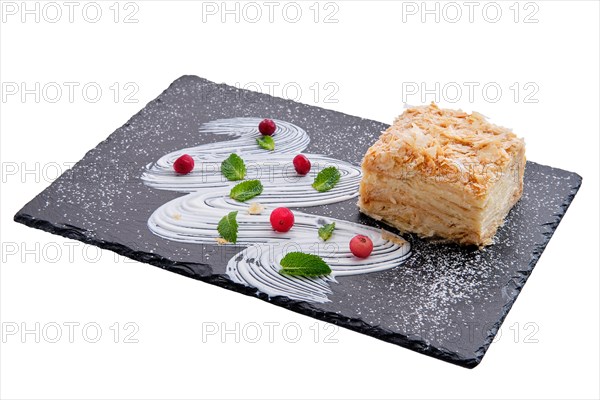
372 55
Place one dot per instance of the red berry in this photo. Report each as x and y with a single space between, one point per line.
361 246
282 219
302 164
267 127
184 164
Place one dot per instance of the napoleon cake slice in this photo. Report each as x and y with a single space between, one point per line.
443 173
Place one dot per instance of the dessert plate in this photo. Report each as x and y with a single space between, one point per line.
439 299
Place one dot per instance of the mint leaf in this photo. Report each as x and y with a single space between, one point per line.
246 190
266 142
302 264
326 231
233 168
326 179
228 227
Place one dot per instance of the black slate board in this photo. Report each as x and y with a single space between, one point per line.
446 301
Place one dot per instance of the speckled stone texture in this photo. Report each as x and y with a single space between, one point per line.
446 301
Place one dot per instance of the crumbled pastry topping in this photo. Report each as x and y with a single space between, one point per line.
255 208
221 240
176 216
442 142
385 235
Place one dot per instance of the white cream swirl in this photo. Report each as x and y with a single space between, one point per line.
259 264
291 139
276 173
193 218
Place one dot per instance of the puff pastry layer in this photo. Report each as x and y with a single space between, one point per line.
443 173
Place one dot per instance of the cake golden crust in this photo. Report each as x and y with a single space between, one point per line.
444 173
464 149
